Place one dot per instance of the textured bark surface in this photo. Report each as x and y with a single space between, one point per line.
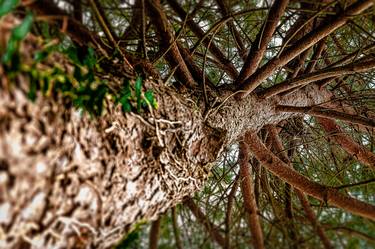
89 180
69 181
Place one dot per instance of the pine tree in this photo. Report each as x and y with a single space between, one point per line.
252 121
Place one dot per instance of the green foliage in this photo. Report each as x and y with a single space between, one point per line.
7 6
130 240
10 56
133 238
83 88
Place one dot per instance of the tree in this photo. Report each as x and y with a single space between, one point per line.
113 112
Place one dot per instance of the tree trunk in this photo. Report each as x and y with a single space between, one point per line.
70 180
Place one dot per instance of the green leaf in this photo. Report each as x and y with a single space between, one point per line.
90 59
40 55
124 97
11 49
72 53
126 106
32 91
7 6
149 96
138 92
129 241
20 32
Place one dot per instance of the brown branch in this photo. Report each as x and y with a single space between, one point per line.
327 113
228 213
248 196
328 26
175 229
353 232
213 48
354 149
154 234
232 28
327 194
167 41
260 44
355 67
106 27
281 153
194 69
320 47
76 30
312 218
212 229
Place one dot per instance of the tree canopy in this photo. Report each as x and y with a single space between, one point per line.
225 123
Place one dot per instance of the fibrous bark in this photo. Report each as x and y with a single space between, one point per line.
70 180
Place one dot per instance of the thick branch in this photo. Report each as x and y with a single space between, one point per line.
264 36
281 153
90 179
301 45
154 234
327 113
167 41
213 48
248 196
211 228
354 149
355 67
295 179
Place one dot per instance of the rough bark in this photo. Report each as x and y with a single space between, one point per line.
69 180
89 180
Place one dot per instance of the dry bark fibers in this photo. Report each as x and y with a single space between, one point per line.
71 181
